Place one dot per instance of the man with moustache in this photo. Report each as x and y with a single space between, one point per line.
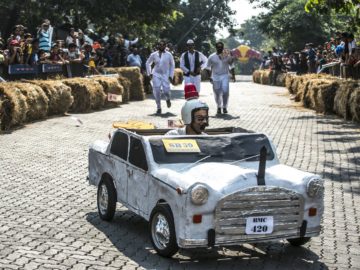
191 63
195 115
161 74
219 64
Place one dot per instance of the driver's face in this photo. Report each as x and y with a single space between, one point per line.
200 121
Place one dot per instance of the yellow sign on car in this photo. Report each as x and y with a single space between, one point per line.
181 146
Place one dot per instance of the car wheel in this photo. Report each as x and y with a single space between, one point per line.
106 199
299 241
162 231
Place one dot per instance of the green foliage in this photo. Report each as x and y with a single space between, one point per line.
291 26
126 16
191 11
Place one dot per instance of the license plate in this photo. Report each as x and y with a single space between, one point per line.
259 225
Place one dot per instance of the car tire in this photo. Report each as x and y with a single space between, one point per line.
106 199
162 231
299 241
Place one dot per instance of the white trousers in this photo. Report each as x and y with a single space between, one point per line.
196 80
160 85
221 91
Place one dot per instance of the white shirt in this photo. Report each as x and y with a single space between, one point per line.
219 66
128 43
202 60
164 66
351 46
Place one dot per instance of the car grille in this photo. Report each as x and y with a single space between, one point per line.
231 212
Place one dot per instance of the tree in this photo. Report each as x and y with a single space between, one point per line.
292 27
135 16
191 11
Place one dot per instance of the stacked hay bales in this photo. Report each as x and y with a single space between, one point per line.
13 106
257 76
59 95
342 98
321 94
133 74
265 76
354 103
88 94
36 100
126 84
280 79
178 76
111 85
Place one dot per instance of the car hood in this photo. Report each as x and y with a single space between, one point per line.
227 178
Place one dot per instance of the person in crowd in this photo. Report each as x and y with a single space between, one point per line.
33 58
14 55
87 52
311 58
100 60
191 63
72 38
43 57
45 36
219 64
74 55
55 55
134 59
125 42
351 43
320 60
195 115
161 74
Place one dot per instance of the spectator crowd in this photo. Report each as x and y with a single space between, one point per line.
94 51
338 56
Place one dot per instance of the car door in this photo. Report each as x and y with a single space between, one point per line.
138 178
119 155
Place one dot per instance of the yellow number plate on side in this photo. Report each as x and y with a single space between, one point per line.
181 146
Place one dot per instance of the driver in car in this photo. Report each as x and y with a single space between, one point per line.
195 115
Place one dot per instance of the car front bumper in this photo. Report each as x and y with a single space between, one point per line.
219 240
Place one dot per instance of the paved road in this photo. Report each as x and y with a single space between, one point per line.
48 215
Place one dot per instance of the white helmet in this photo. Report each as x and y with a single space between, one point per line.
188 108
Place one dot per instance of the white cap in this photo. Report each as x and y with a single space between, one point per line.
189 42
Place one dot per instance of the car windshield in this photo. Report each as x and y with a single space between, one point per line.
229 148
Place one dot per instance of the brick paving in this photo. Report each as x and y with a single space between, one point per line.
48 214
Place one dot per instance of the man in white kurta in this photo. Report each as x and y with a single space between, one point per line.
220 63
191 63
162 74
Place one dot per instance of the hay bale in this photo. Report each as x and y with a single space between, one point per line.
111 85
342 98
290 84
88 94
13 106
354 104
265 76
178 76
301 90
134 75
256 76
37 101
59 95
280 79
126 84
321 94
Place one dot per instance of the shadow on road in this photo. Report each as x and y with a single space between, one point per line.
129 234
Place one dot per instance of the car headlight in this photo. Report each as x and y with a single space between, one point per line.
315 188
199 194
